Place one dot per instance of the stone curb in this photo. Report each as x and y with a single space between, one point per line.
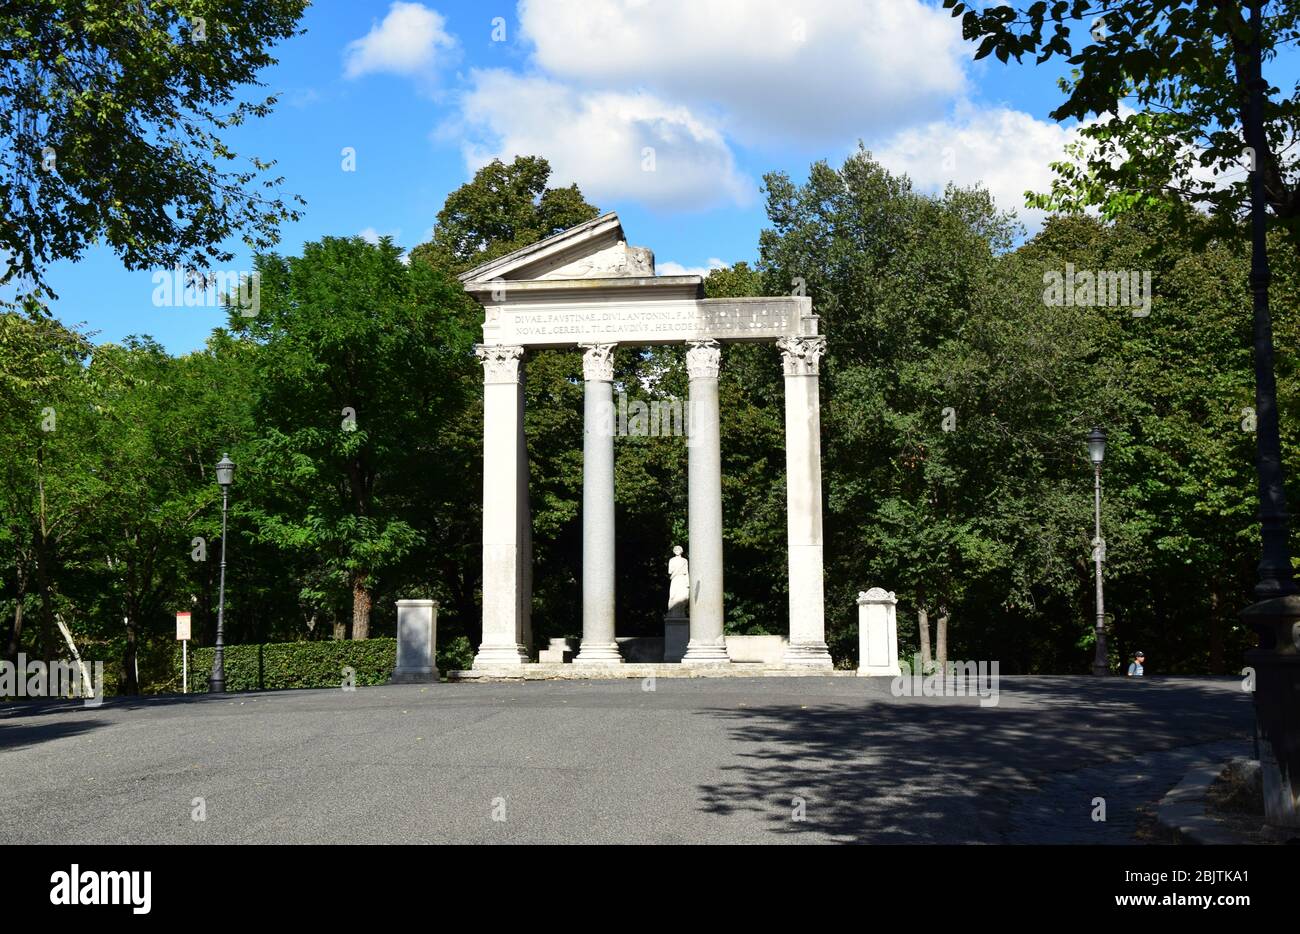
1182 811
571 672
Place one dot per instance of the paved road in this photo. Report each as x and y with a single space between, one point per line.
692 761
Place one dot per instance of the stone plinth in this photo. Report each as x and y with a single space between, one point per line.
417 639
630 670
558 652
677 633
641 650
878 634
762 650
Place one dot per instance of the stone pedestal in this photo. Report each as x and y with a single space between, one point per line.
417 640
878 634
558 652
677 633
1276 664
707 645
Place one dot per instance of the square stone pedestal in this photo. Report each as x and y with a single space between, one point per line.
877 634
677 633
417 629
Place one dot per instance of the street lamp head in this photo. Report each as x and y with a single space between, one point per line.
225 471
1096 445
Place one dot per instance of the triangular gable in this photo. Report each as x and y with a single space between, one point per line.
595 249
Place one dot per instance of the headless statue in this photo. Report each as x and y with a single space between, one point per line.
679 585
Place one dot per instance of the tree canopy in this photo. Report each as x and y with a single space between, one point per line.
113 130
1161 90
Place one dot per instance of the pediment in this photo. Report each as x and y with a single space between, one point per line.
596 249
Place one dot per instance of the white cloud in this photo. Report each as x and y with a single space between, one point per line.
613 144
780 72
1006 151
677 269
407 42
371 235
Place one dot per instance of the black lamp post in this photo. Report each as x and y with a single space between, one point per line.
1097 453
1276 615
225 477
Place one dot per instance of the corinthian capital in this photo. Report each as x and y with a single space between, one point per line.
500 362
598 361
703 359
800 356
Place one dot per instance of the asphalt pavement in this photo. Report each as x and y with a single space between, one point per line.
737 760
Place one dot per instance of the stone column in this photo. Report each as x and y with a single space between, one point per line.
598 645
803 478
524 514
707 644
505 484
878 633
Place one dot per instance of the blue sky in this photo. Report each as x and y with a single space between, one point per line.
720 91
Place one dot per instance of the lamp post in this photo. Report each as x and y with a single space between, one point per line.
1096 453
225 477
1275 616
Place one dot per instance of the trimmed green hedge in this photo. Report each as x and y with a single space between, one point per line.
278 666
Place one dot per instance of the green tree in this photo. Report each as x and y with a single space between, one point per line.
46 483
895 276
113 120
504 208
1164 89
356 379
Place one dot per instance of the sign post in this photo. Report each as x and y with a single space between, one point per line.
183 634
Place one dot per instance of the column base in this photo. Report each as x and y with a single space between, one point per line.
496 656
706 653
414 676
808 655
598 653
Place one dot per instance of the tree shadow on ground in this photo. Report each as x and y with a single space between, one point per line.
17 735
888 769
44 706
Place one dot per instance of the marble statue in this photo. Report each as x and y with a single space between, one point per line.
679 584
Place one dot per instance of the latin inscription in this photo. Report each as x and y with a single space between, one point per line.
737 320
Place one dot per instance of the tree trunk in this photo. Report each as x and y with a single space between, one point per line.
1216 635
15 640
360 607
923 627
941 640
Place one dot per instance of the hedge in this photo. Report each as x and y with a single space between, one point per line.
278 666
